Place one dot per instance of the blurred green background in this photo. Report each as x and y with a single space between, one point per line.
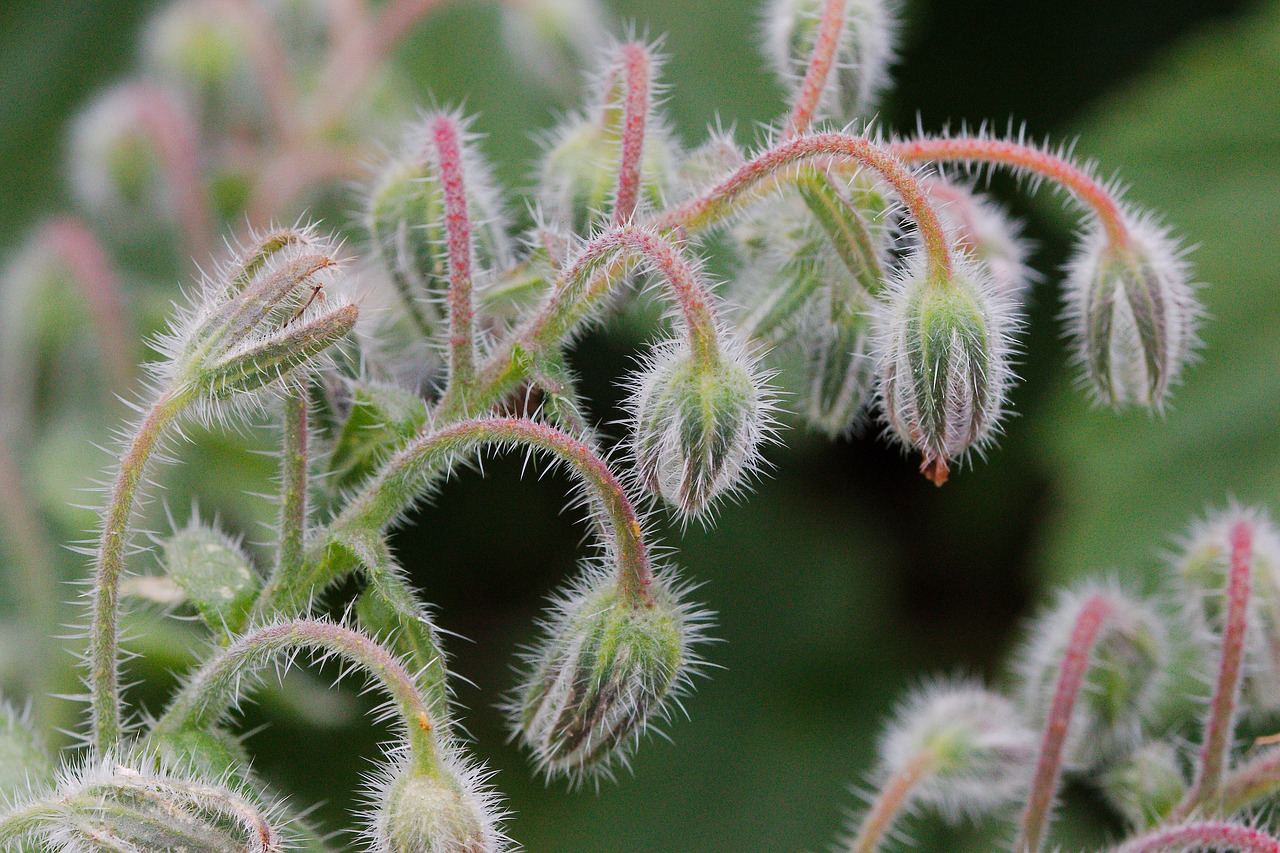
845 577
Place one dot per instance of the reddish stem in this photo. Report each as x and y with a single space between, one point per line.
1075 665
720 199
821 62
1215 835
1257 778
635 62
889 803
1025 158
462 345
1206 788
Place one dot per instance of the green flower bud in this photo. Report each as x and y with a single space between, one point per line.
24 760
380 420
1145 785
606 667
1133 315
698 424
944 363
447 812
214 574
838 368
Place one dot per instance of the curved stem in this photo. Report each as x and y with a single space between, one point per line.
635 62
821 61
889 803
215 687
1075 665
413 471
1026 159
462 343
1256 779
721 199
1206 788
103 654
1217 835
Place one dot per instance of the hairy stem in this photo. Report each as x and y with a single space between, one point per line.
103 655
821 61
635 62
723 198
1216 835
215 687
1206 789
1255 780
889 803
1024 158
1075 665
293 492
462 342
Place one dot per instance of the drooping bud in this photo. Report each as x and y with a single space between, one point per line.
1124 677
606 668
988 234
1201 570
699 421
838 367
863 53
1145 785
445 812
554 38
405 220
214 574
970 747
944 349
1133 314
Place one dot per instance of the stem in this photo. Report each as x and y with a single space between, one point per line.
293 492
889 803
1257 779
414 469
215 687
1075 665
1024 158
1216 835
178 150
1206 789
462 343
720 200
821 61
635 112
103 655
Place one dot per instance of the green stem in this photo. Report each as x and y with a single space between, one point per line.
293 492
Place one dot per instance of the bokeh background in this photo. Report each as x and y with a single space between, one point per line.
844 578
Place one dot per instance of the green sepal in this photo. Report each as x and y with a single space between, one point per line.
215 574
382 418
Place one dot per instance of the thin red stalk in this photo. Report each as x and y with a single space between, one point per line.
1023 157
1215 835
178 149
635 61
1206 788
462 344
720 199
821 62
1075 665
889 803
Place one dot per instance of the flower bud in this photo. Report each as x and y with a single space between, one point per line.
975 750
699 420
606 666
705 166
838 368
944 363
381 419
444 812
1125 676
405 219
215 575
1133 314
862 58
1201 570
1145 785
24 760
554 38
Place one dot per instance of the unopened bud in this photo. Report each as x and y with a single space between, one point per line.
215 575
1201 570
606 668
863 54
1126 672
1133 315
699 421
554 38
838 368
944 363
705 166
970 747
443 812
1145 785
381 419
24 760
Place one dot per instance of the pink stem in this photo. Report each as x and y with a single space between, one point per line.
720 199
462 345
270 65
1226 692
1257 778
1075 665
1215 835
635 112
820 63
1025 158
175 140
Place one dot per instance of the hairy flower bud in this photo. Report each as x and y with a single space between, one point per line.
24 760
1201 569
1133 315
944 363
970 746
443 812
699 421
553 38
214 574
1145 785
606 667
1124 679
864 50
